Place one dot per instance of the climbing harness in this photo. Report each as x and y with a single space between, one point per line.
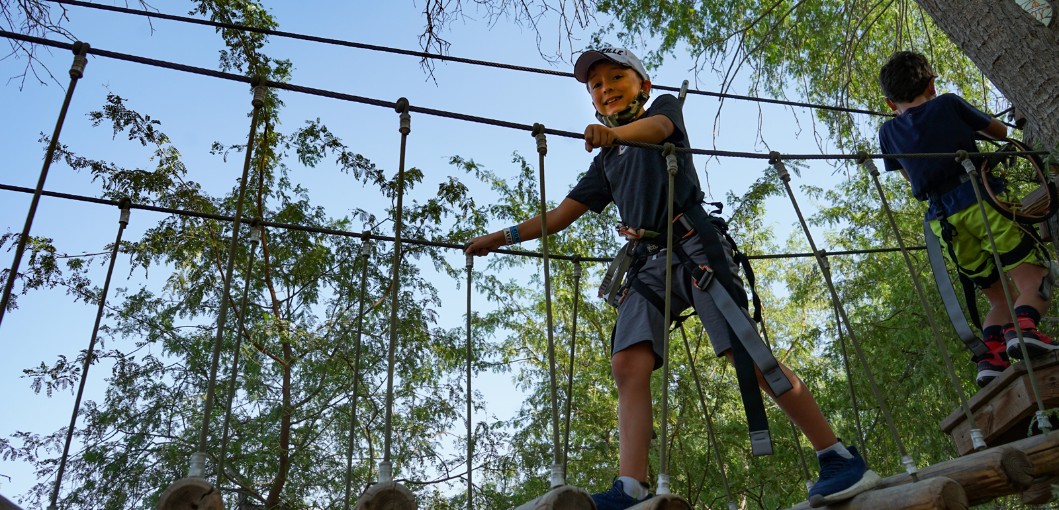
714 277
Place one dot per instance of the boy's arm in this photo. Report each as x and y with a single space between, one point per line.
558 218
651 129
995 130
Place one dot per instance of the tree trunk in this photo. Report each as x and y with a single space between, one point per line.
1015 51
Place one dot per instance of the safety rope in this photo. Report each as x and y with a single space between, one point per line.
256 236
1041 417
854 400
976 434
711 435
365 252
473 118
470 393
906 459
123 221
437 56
570 367
77 70
412 241
386 466
198 459
663 454
558 477
233 377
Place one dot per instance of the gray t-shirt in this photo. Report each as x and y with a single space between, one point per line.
635 179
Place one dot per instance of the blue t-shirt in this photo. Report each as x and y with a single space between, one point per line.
635 179
946 123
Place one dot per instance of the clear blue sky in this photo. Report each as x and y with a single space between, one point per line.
196 111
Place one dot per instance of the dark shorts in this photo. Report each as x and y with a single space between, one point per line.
640 321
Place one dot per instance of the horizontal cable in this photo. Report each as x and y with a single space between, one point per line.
473 118
417 242
436 56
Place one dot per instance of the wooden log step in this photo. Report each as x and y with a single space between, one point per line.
191 493
1043 452
565 497
984 476
664 502
1041 492
6 504
387 496
938 493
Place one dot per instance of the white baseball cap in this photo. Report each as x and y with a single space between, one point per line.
620 56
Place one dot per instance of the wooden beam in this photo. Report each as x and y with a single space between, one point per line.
937 493
6 504
387 496
984 476
566 497
191 493
1041 492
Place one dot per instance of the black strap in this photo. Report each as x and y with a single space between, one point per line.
948 294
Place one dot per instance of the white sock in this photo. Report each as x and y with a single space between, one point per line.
838 448
633 487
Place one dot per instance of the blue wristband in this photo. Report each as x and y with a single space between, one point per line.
514 234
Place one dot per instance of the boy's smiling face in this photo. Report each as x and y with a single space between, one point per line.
613 87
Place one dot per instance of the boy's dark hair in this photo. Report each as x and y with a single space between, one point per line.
905 76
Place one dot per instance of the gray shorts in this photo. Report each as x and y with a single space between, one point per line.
640 321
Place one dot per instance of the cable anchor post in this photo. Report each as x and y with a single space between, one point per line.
776 161
77 68
542 141
577 266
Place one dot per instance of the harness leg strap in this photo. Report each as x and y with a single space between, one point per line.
948 294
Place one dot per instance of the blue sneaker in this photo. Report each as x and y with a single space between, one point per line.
615 498
841 478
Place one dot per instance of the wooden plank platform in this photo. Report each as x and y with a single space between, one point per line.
1004 409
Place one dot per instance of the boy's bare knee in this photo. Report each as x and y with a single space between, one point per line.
633 363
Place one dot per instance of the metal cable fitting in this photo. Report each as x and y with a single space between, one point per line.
542 141
669 151
77 69
781 169
406 120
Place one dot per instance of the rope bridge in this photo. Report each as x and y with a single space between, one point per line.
983 474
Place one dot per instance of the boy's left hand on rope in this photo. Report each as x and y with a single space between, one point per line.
598 135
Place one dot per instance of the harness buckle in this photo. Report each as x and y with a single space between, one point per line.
702 277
